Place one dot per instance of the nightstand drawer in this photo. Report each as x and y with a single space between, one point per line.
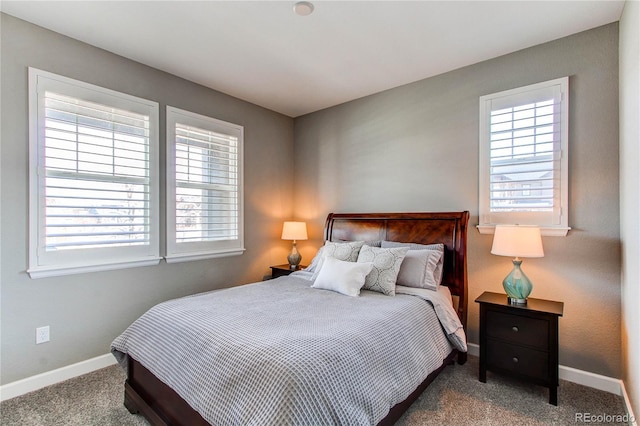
518 329
518 359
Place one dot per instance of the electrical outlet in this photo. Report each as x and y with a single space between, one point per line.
42 334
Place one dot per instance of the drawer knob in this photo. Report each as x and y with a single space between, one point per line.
515 359
515 329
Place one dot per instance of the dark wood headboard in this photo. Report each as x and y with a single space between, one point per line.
448 228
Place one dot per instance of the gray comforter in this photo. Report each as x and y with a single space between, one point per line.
282 353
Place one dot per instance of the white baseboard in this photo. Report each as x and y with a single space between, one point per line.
592 380
39 381
627 403
581 377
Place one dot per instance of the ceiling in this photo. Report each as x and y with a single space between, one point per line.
262 52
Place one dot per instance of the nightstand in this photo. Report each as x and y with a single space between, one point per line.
282 270
520 340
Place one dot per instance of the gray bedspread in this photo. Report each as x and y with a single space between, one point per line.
282 353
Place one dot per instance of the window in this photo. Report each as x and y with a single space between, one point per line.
524 157
204 187
93 178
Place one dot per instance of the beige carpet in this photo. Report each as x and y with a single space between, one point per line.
456 397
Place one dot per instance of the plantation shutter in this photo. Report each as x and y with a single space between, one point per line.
523 157
96 175
204 177
93 178
206 185
525 152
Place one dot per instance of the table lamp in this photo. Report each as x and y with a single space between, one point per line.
294 231
517 241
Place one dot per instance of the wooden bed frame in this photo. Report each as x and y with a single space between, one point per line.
160 405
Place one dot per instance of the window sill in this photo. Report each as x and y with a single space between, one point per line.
57 271
545 231
188 257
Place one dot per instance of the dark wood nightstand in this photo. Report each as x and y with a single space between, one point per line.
520 340
282 270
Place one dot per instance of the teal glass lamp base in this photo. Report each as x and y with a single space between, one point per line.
517 285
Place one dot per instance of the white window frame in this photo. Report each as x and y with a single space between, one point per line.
551 224
43 263
188 251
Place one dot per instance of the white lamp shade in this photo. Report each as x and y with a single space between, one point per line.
517 241
294 231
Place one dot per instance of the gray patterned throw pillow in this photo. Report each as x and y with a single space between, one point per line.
341 251
386 265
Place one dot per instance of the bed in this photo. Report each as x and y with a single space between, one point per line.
277 392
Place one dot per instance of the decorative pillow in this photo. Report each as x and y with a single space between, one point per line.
342 251
342 276
414 246
418 269
386 265
376 243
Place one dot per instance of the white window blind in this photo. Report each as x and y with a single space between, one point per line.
96 175
523 156
94 204
523 161
204 185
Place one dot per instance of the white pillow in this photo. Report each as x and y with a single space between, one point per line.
418 269
414 246
342 276
342 251
386 265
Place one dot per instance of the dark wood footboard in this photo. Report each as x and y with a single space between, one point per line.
145 394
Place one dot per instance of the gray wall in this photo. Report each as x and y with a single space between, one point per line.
411 148
630 197
86 312
415 148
